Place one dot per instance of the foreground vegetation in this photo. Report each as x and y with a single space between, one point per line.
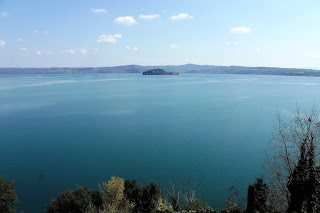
292 186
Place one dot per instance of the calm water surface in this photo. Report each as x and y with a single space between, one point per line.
58 132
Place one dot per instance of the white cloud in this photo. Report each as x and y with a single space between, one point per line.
228 43
71 51
240 30
132 48
181 16
174 46
4 14
149 17
99 10
20 40
127 20
83 51
316 56
24 49
36 31
39 52
108 38
2 43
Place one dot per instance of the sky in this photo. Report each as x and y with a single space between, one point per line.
98 33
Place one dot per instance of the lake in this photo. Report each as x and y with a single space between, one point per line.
58 132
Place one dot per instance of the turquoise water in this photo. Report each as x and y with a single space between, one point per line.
58 132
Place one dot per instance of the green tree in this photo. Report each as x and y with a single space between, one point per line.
294 171
233 202
8 197
81 200
113 196
303 184
145 199
181 193
196 205
257 197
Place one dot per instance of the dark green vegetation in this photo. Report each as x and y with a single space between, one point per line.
8 197
196 205
78 200
158 72
257 197
187 68
293 184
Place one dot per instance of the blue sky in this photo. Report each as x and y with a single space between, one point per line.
80 33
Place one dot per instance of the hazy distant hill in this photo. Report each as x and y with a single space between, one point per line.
187 68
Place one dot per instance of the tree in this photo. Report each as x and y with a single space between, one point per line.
233 202
81 200
257 197
113 195
182 193
196 205
293 164
8 197
145 199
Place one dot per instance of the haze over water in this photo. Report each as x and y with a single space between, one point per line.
58 132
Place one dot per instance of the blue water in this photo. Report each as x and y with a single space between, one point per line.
58 132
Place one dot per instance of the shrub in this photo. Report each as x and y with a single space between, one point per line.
233 202
145 199
164 206
257 197
113 196
81 200
196 205
8 197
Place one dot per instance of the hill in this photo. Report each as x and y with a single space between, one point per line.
187 68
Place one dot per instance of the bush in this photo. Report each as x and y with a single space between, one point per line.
145 199
8 197
257 197
113 196
233 202
81 200
196 205
164 206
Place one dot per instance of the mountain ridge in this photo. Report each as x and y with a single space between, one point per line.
185 68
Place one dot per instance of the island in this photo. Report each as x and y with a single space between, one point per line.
159 72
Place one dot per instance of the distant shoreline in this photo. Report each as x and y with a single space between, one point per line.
182 69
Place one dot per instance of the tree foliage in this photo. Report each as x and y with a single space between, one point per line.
113 196
145 199
81 200
181 193
303 184
257 197
293 162
8 197
233 202
196 205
